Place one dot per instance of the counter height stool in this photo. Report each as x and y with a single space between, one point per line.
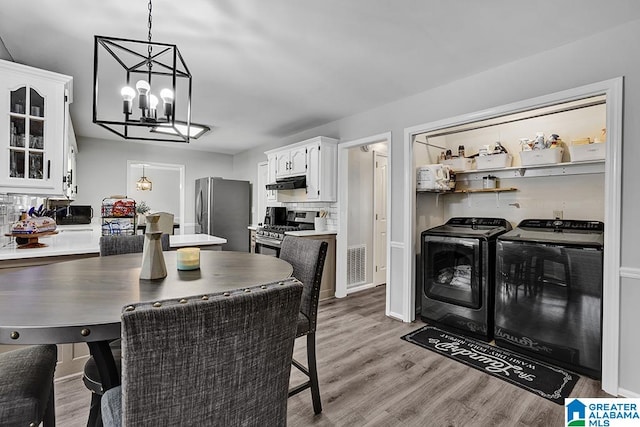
307 257
222 359
26 386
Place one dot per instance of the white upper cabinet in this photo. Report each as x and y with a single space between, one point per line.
316 159
291 162
33 130
272 164
322 172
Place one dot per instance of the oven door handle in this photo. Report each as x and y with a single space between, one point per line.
268 242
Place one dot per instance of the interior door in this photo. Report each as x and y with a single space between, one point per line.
380 219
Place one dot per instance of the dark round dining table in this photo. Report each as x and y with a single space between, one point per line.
82 300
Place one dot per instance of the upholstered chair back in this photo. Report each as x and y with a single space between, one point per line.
307 257
121 244
221 359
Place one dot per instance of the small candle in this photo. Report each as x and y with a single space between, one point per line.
188 258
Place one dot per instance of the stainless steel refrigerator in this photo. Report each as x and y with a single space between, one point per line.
223 209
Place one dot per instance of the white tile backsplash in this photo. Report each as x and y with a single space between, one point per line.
331 208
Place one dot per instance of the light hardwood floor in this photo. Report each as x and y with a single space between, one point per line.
370 377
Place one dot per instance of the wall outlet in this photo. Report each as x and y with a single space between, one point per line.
557 214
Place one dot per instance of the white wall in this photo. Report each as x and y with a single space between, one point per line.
102 169
600 57
577 196
4 53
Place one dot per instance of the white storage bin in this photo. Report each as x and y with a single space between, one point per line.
584 152
459 163
547 156
494 161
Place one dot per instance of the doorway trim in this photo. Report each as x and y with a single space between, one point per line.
162 166
261 201
377 185
343 209
613 89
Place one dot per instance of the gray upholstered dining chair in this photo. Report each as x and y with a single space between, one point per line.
120 244
307 257
112 245
26 386
216 360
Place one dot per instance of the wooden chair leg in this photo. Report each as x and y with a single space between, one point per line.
49 419
313 372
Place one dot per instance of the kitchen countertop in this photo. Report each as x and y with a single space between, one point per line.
85 240
182 240
307 233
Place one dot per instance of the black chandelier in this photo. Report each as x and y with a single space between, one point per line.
147 67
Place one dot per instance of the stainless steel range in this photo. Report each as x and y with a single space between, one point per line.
269 237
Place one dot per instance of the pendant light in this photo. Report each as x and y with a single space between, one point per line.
143 184
155 74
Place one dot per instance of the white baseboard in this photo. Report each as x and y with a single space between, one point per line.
396 316
360 288
630 273
626 393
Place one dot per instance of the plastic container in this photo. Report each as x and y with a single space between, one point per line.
459 163
494 161
489 182
585 152
547 156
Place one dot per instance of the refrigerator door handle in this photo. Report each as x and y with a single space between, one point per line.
199 208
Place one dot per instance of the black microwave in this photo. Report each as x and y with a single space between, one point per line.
74 214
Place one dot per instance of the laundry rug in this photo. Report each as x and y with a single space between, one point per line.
544 380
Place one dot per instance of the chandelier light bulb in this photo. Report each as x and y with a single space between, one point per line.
128 93
153 103
143 89
167 99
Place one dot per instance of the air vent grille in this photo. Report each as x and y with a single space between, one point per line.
356 265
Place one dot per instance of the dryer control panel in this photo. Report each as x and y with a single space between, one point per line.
562 225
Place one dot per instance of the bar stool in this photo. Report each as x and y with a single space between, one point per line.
307 257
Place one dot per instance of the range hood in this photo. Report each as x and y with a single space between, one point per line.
288 183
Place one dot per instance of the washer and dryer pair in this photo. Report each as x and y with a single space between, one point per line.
536 289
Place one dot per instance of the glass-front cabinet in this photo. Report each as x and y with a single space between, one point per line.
33 130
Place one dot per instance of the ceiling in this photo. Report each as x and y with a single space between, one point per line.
264 70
